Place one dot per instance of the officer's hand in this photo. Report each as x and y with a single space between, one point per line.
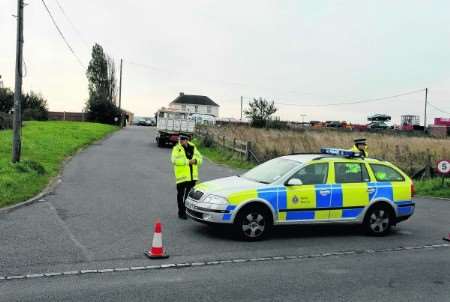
193 162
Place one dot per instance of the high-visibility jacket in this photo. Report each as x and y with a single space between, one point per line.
355 149
180 163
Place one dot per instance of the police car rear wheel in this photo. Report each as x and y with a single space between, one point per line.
378 221
253 223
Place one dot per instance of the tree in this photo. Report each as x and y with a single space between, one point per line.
112 81
101 75
6 100
34 105
97 73
260 112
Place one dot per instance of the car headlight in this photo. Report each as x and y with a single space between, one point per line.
213 199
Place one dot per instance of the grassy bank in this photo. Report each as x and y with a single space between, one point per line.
44 147
433 187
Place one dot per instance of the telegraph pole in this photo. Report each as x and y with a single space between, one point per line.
242 104
425 115
120 94
17 124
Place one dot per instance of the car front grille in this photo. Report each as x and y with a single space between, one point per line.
195 194
195 214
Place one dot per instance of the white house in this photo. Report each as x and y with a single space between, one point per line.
195 104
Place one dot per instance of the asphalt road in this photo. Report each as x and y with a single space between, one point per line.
101 216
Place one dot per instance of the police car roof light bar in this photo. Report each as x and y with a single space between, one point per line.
340 152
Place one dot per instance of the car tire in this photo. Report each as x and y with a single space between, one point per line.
160 142
253 223
378 220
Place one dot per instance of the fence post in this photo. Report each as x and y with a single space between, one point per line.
397 152
248 147
223 141
429 167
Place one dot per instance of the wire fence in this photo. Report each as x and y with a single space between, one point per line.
242 148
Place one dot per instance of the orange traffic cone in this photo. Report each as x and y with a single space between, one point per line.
157 249
447 238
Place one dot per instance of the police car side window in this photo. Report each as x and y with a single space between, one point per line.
314 174
350 173
385 173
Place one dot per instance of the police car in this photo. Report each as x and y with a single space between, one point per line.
335 186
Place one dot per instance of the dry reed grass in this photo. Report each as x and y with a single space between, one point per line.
409 153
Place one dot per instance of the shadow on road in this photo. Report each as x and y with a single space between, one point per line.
225 232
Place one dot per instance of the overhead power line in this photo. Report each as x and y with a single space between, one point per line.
71 23
354 102
146 66
62 35
438 109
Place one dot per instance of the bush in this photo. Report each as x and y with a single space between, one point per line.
5 121
6 100
34 106
34 114
102 111
208 141
277 124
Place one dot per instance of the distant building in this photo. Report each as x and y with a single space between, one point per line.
195 104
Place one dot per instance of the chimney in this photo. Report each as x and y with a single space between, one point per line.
181 93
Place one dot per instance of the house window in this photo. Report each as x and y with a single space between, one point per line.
196 109
208 109
183 107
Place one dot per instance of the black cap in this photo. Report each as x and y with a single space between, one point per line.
360 141
184 137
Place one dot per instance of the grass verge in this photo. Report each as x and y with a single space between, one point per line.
225 157
45 145
433 187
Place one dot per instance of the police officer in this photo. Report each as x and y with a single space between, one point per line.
186 160
360 146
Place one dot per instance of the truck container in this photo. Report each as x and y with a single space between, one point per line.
171 123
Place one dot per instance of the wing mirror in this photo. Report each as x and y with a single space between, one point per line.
294 182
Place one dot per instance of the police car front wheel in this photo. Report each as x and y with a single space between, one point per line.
253 223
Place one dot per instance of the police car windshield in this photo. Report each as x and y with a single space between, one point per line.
271 170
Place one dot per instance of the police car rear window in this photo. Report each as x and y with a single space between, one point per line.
385 173
350 173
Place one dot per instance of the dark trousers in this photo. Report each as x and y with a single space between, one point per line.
183 189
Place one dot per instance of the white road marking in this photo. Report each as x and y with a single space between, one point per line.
88 255
231 261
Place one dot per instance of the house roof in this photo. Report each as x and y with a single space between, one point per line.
194 99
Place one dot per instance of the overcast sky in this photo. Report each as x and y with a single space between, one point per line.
296 52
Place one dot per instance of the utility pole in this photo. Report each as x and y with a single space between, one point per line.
425 115
303 118
17 124
242 104
120 94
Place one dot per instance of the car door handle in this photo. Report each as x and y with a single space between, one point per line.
324 192
371 190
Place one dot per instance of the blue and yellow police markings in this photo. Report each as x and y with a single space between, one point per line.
306 202
325 201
